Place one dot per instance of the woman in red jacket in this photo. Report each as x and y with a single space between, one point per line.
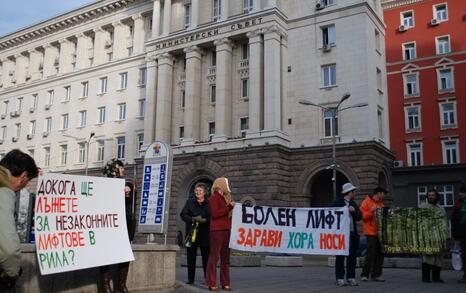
221 204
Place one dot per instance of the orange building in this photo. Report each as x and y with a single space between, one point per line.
426 82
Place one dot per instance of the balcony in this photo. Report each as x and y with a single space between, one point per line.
243 68
211 74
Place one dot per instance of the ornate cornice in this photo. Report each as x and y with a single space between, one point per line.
387 4
60 22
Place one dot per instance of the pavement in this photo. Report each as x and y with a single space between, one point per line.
316 277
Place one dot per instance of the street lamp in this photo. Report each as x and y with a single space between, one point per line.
87 147
334 111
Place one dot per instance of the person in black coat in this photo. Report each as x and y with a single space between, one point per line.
347 199
196 212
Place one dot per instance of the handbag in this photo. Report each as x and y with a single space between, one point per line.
456 262
191 237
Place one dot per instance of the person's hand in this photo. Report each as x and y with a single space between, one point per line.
351 209
232 203
199 219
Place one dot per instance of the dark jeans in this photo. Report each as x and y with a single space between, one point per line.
373 263
191 257
350 260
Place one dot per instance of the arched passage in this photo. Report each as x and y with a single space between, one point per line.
321 187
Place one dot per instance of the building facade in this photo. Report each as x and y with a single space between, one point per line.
426 54
218 80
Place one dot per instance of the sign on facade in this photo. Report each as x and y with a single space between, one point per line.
323 231
80 223
156 181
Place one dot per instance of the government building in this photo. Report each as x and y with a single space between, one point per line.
218 80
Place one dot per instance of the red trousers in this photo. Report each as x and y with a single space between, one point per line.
219 241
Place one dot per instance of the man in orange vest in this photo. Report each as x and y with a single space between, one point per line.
373 263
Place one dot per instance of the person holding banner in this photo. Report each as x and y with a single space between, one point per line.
347 199
196 215
432 263
458 227
221 203
16 170
373 263
115 169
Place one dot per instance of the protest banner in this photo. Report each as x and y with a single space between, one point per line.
323 231
80 223
411 230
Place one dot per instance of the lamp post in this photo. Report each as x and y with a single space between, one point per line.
87 147
334 111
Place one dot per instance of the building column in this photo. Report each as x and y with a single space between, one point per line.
50 54
164 98
82 54
194 13
256 80
65 56
156 19
193 96
119 40
256 6
223 90
225 13
99 46
34 63
20 68
151 96
272 79
8 66
138 37
167 16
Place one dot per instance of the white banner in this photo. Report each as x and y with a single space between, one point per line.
80 223
323 231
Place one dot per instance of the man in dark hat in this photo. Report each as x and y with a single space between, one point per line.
458 227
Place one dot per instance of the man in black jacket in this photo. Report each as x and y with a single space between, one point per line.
347 199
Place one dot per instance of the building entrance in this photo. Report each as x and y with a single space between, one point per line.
321 188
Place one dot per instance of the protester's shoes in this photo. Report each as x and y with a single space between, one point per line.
341 282
214 288
364 279
352 282
227 288
378 279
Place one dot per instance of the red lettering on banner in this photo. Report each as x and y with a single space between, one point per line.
61 240
332 241
255 237
47 204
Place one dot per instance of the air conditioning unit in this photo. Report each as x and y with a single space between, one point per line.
108 44
402 28
398 164
434 22
14 113
28 76
30 136
45 134
11 72
13 80
327 48
32 109
320 5
47 107
14 139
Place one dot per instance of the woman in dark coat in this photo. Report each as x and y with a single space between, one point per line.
196 213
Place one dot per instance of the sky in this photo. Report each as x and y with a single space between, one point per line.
16 14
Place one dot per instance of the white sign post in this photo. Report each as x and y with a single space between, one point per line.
80 223
156 181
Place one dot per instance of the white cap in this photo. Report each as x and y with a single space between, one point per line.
347 187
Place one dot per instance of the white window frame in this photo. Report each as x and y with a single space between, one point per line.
210 135
121 147
216 10
65 121
123 80
413 118
435 12
450 115
329 120
438 44
51 97
331 79
243 131
103 85
81 152
82 118
402 19
411 50
421 195
416 93
19 104
142 76
245 92
85 88
67 93
63 154
329 35
100 150
410 151
47 156
48 124
248 6
446 191
141 107
450 80
121 108
102 112
446 149
140 142
35 101
32 127
187 15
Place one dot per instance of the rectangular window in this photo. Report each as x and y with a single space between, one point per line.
63 154
81 152
409 51
67 93
413 118
103 85
330 124
245 51
450 152
122 111
18 130
329 35
445 80
82 118
3 133
328 2
213 59
5 107
51 97
213 89
211 130
101 111
407 19
65 121
48 124
142 76
34 101
140 141
378 42
329 75
446 193
123 80
32 127
187 15
244 126
410 88
100 150
443 45
130 51
415 154
141 107
85 86
120 147
440 12
421 195
19 107
217 10
247 6
380 123
448 114
245 88
183 99
46 156
379 79
181 132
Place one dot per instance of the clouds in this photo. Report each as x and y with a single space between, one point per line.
15 15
